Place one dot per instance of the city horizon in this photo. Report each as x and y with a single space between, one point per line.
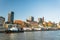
49 9
29 19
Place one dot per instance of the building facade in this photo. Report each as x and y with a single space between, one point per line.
31 18
2 22
11 17
40 20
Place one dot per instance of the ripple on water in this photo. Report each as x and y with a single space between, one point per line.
38 35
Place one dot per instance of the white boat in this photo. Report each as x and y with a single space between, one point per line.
14 29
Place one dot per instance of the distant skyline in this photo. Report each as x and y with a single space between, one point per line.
49 9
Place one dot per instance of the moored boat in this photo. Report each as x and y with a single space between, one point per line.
14 30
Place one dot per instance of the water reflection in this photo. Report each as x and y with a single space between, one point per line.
12 36
39 35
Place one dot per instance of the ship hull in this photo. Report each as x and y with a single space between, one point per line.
9 31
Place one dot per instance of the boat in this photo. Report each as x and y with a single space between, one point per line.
14 30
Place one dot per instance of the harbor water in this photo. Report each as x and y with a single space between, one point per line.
37 35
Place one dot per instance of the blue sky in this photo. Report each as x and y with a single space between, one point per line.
50 9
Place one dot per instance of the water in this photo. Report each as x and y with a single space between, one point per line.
38 35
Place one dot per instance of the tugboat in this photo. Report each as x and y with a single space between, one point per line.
14 30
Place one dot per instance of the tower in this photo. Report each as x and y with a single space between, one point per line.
39 20
31 18
11 17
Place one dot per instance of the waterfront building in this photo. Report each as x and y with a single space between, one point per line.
54 24
50 24
19 22
2 22
40 20
45 24
8 26
32 24
31 18
58 25
11 17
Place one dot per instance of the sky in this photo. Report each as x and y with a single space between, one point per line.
49 9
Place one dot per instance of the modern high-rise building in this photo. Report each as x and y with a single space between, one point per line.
43 19
39 20
11 17
31 18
